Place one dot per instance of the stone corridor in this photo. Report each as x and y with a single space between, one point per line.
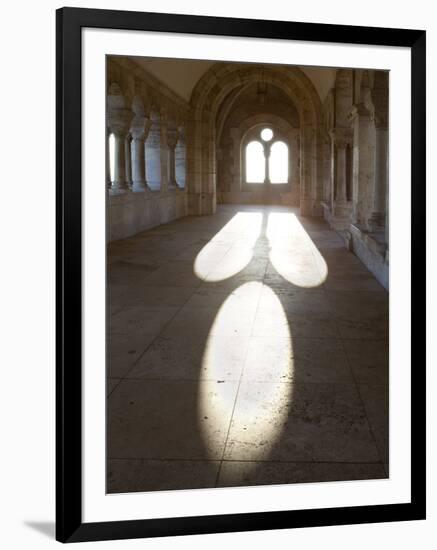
247 347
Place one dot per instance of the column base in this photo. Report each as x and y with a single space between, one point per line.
338 215
139 187
118 190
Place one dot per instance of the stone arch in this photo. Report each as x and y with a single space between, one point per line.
115 97
207 97
266 119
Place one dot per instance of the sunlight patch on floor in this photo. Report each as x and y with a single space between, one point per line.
293 254
258 418
231 249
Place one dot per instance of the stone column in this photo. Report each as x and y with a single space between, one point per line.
377 220
127 159
387 207
236 171
181 158
363 163
118 121
172 139
341 138
153 154
306 171
327 171
340 205
340 172
267 151
139 130
163 152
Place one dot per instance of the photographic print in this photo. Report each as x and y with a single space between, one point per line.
247 274
240 275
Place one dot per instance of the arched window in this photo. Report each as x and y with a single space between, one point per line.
111 153
153 153
278 162
266 157
255 162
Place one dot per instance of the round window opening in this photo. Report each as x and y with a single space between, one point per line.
266 134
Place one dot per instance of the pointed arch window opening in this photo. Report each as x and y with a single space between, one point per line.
111 155
266 159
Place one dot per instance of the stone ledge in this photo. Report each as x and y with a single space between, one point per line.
372 251
130 213
148 194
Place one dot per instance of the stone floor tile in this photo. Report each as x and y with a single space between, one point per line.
304 422
294 324
366 329
295 300
375 399
271 359
124 350
190 357
362 305
141 319
229 320
128 476
156 296
174 274
243 474
368 360
359 282
164 419
111 383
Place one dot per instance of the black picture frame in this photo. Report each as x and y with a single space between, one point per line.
69 525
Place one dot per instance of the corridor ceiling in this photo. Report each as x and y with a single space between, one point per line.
181 75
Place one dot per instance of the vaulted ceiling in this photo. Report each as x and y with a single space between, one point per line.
181 75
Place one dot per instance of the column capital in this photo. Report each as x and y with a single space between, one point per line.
119 121
359 110
380 99
140 127
341 136
172 137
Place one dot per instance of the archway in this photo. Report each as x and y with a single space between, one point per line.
214 95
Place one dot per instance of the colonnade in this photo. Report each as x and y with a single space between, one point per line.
144 152
356 183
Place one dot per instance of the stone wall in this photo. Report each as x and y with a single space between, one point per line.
131 213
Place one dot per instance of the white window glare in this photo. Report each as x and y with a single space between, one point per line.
111 153
278 163
266 134
255 163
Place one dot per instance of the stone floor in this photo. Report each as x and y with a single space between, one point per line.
245 348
